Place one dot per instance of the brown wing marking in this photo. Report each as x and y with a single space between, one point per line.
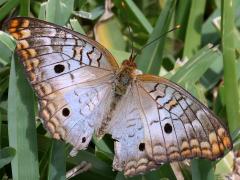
205 135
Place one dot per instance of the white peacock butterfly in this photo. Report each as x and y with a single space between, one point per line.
81 90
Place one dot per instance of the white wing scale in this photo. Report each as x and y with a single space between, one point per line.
127 129
71 74
157 122
188 128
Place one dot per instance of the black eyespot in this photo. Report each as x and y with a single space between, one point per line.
168 128
141 146
59 68
65 112
83 140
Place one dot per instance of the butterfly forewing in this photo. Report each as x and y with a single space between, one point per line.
177 125
71 75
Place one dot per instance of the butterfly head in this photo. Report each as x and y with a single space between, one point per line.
129 63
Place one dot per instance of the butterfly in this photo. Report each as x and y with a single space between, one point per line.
82 90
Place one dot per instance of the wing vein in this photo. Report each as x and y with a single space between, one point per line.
91 81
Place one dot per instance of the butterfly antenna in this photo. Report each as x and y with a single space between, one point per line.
132 56
173 29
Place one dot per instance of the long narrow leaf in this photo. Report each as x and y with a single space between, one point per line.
131 8
9 5
230 74
193 70
24 7
202 169
6 155
151 57
193 33
59 11
21 125
57 167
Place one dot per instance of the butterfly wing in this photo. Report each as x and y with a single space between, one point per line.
157 121
176 125
71 75
127 129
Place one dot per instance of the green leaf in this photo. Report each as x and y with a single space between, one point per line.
21 125
6 155
130 9
182 11
212 76
93 15
209 32
194 26
109 32
8 41
7 46
230 73
76 26
7 7
4 77
42 11
24 7
57 166
2 2
120 55
98 166
102 146
202 169
193 70
224 166
59 8
151 56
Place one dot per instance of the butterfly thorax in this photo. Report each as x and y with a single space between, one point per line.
123 79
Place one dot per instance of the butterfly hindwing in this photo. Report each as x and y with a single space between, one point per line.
72 116
127 129
71 75
177 126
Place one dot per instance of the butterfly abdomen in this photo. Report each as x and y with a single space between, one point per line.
121 83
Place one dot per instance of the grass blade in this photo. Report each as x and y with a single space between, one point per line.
6 155
193 32
202 169
59 8
21 125
99 167
7 7
24 7
107 34
57 166
53 11
42 11
194 69
151 57
132 10
2 2
76 26
7 45
230 74
182 12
